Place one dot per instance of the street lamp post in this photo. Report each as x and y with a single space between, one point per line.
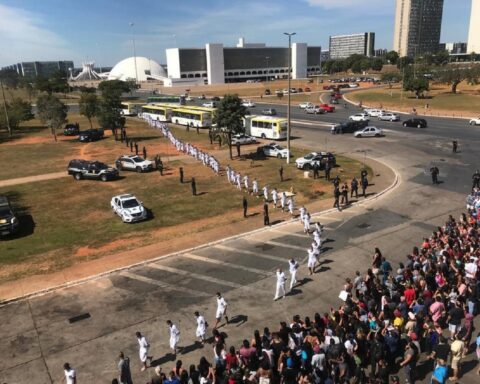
134 53
289 34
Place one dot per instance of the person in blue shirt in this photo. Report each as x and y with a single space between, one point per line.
440 373
171 379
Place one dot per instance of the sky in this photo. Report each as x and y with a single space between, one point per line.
102 30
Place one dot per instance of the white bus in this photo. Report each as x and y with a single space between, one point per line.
158 112
193 117
132 108
266 127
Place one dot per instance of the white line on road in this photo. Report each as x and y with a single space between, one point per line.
317 123
278 244
195 275
302 235
225 263
250 253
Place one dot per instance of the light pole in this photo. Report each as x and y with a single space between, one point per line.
134 53
289 34
268 67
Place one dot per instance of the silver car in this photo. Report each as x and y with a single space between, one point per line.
389 116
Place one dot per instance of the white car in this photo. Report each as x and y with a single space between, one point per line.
133 163
369 132
359 117
189 98
210 104
474 121
248 103
305 104
353 85
241 138
275 150
389 116
375 112
129 208
315 109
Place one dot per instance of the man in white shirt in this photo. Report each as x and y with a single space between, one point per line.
143 350
293 267
221 310
70 374
280 289
312 260
471 269
201 327
174 336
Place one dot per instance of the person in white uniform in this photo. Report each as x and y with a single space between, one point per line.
143 347
274 197
283 201
255 187
293 268
174 336
280 288
317 239
306 223
201 327
221 310
245 183
312 260
291 206
70 374
302 212
265 192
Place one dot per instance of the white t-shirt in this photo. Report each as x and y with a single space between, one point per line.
70 376
280 278
221 304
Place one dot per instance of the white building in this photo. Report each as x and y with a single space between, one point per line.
474 31
216 64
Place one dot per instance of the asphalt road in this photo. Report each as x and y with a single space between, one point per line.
37 336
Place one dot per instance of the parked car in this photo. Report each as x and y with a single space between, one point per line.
269 112
248 103
305 104
374 112
474 121
307 89
133 163
349 127
353 85
307 162
278 92
327 108
84 169
91 135
210 104
415 123
388 116
201 97
274 150
334 101
241 138
71 129
129 208
369 132
315 109
267 92
337 95
215 98
9 223
359 117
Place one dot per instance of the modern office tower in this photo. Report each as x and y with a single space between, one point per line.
343 46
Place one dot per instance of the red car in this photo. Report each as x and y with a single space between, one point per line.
327 108
327 87
307 89
337 95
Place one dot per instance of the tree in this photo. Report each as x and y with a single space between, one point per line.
109 112
377 64
229 118
89 106
18 111
59 81
454 75
441 58
392 57
403 62
419 85
51 112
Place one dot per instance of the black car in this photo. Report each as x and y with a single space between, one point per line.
90 135
215 98
71 129
267 92
84 169
8 220
349 127
415 123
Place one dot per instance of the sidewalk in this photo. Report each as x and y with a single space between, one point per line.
225 226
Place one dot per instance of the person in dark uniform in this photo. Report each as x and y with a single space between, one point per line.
316 168
434 172
238 148
328 167
131 146
188 127
336 195
280 172
354 188
126 141
476 179
160 166
363 174
245 206
364 186
144 150
336 182
136 148
454 146
266 218
344 194
198 130
194 187
181 175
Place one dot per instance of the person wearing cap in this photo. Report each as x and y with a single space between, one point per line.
201 327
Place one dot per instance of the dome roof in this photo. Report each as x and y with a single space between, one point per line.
146 68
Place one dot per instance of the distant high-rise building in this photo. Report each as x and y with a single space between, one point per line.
34 69
474 31
417 27
343 46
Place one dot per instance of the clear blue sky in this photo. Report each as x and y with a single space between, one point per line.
99 30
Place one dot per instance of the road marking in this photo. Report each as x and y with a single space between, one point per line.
250 253
278 244
306 122
302 235
162 284
195 275
225 263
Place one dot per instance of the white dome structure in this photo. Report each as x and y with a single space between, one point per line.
146 69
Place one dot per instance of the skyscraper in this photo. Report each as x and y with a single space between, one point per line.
417 27
474 31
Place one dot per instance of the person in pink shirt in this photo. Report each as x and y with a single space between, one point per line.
437 309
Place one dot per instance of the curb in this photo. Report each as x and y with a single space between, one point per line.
74 283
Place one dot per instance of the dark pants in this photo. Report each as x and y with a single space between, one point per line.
354 191
363 191
336 204
344 198
244 211
266 220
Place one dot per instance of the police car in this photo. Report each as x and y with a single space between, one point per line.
133 163
129 208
